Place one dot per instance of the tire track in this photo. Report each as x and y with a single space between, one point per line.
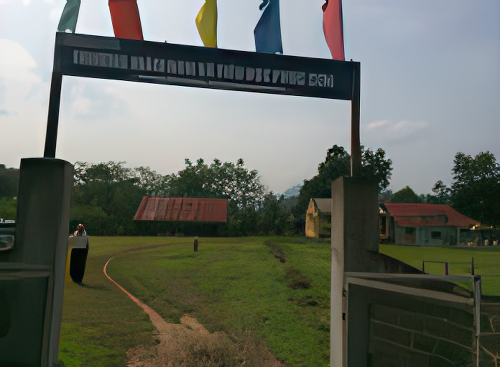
155 318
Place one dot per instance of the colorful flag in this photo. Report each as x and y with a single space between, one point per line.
206 22
125 18
333 28
69 16
268 30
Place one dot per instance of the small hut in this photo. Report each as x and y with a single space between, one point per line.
318 218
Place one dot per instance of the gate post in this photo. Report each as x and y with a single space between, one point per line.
32 273
355 236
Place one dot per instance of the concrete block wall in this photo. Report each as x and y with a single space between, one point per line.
441 337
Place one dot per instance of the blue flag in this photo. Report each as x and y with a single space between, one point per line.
268 30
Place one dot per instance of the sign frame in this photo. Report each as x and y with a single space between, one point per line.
193 66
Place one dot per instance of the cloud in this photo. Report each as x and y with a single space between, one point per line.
4 113
2 91
95 100
377 124
16 63
396 133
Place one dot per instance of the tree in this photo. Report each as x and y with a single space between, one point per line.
475 190
406 195
232 181
385 196
228 180
9 181
441 194
273 218
107 195
374 165
8 207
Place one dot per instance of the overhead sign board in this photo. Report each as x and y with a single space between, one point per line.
165 63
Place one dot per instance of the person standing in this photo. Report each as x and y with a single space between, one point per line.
78 259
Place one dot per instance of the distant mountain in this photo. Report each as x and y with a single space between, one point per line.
292 192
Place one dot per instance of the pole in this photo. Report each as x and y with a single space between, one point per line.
355 117
53 116
54 103
477 315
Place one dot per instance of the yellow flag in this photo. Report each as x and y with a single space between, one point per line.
206 22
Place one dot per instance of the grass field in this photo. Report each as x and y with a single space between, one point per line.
100 323
486 262
276 288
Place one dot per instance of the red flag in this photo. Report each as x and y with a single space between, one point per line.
125 19
333 28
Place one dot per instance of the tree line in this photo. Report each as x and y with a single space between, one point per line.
106 195
474 190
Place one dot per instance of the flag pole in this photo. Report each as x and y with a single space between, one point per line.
54 104
355 116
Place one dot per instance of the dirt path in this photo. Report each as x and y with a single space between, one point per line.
178 343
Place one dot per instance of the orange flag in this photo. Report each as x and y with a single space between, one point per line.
125 19
333 28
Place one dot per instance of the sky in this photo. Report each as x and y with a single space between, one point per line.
430 87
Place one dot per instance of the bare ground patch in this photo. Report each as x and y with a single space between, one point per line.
189 344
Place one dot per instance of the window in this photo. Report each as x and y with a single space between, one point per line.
409 230
435 235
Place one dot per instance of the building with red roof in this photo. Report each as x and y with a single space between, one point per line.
182 210
422 224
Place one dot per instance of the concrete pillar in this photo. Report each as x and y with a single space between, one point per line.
355 236
34 290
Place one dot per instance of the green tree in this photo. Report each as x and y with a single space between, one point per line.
273 218
406 195
375 166
9 181
385 196
232 181
441 194
8 207
228 180
475 190
106 197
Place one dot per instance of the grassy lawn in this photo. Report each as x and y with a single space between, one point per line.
237 285
486 262
233 285
275 289
100 323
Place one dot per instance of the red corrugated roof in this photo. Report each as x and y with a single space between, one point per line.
182 210
428 215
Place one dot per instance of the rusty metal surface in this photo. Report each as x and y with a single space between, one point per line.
428 215
182 210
